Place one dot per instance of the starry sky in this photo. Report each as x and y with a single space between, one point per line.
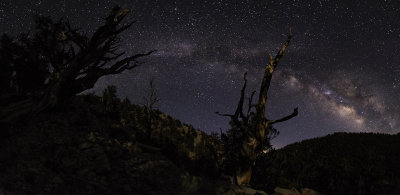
342 68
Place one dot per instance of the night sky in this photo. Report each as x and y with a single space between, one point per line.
342 68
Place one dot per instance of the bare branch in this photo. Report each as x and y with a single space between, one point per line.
269 69
239 109
229 115
124 64
279 55
250 105
116 56
295 112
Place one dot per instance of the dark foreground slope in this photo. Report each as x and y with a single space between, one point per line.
342 163
100 145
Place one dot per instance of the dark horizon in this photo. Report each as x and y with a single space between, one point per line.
342 68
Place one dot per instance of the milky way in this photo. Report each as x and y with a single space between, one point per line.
342 68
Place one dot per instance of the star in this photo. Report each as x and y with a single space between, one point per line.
341 68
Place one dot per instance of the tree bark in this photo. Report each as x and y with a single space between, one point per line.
75 62
254 127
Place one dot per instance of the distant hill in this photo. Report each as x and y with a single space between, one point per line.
341 163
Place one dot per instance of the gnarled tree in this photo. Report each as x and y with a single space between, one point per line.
253 130
38 71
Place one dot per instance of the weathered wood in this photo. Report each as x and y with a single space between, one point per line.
74 62
254 127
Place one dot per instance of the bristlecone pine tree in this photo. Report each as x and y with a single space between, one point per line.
253 128
38 71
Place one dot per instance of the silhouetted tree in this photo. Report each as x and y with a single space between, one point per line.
251 132
110 99
152 97
38 71
150 101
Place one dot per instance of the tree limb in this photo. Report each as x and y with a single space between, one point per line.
250 104
229 115
124 64
269 69
295 112
239 109
279 55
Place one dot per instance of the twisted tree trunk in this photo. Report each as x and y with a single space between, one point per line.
74 62
254 127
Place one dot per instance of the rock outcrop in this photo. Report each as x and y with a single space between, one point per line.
293 191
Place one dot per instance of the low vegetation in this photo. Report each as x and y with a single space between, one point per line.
98 145
341 163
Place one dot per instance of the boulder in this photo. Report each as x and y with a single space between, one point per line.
283 191
308 191
234 190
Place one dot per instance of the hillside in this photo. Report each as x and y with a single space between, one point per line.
341 163
102 145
